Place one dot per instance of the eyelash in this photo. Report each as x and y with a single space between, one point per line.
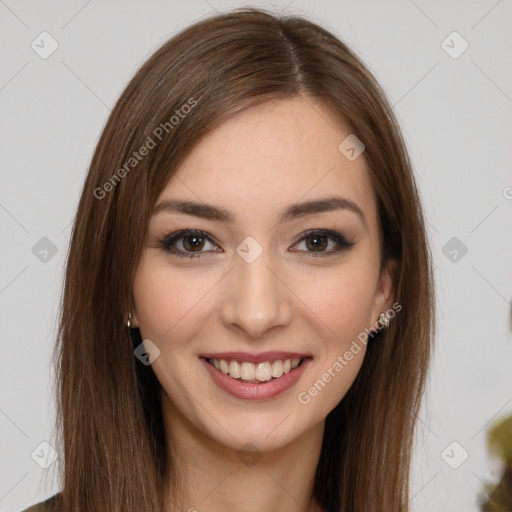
167 242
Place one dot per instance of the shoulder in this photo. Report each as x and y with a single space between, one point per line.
49 505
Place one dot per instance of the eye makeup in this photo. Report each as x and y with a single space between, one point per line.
192 239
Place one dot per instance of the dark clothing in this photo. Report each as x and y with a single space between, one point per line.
49 505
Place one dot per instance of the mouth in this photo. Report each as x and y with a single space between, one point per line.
259 373
255 377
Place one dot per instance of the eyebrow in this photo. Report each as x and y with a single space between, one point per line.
293 211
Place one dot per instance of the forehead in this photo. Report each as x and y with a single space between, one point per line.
270 155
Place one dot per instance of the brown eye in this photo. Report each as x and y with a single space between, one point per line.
193 242
318 241
187 243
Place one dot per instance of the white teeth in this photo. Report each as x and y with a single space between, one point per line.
262 372
277 368
224 368
234 369
248 371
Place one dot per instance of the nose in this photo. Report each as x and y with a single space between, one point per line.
256 298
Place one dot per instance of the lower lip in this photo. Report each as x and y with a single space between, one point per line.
251 391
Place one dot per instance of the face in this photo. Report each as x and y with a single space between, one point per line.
261 279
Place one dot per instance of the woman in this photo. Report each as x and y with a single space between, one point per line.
248 308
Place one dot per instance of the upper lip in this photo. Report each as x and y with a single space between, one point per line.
255 358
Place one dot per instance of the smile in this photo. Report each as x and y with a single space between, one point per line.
257 380
249 372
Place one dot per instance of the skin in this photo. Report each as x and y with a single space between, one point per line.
259 161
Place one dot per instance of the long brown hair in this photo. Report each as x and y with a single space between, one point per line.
109 411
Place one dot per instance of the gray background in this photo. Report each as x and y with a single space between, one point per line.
456 117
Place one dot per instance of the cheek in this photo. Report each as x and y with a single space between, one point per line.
169 303
341 304
343 298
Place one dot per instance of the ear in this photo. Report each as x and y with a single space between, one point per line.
134 320
384 295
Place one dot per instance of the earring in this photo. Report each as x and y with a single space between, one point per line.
129 323
383 320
